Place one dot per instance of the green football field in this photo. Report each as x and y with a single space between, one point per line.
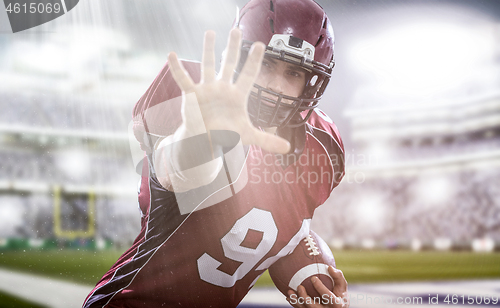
359 266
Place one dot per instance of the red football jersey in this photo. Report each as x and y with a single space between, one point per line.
211 255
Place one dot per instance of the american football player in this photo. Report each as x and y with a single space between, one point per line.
235 165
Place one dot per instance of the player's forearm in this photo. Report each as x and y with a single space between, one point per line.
185 160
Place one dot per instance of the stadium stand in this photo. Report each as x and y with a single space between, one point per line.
421 173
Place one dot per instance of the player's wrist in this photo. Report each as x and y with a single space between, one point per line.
188 162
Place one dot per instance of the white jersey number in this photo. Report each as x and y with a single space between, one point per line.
258 220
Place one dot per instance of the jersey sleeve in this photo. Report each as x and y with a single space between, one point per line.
327 133
158 111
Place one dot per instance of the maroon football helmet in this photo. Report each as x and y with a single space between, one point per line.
297 32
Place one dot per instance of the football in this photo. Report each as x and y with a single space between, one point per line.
310 258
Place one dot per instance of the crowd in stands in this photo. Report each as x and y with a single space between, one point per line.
401 208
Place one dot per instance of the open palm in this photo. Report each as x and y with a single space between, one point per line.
218 103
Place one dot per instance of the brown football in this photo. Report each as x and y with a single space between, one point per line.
310 258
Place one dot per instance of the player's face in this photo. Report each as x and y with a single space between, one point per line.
282 77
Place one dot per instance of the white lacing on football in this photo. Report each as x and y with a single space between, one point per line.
314 251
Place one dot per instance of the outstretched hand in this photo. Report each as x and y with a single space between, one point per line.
218 103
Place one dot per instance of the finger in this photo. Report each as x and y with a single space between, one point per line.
208 58
251 69
232 55
320 287
339 281
302 293
309 302
266 141
331 299
293 299
179 73
340 286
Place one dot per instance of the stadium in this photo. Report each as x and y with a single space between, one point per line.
434 187
419 202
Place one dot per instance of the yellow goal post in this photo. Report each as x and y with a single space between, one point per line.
73 234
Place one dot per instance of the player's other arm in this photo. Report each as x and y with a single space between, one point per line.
189 158
302 276
336 298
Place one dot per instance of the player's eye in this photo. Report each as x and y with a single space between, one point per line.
295 74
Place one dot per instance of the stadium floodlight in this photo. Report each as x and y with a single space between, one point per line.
337 243
36 243
483 245
368 243
425 58
434 190
11 215
75 163
48 57
370 211
380 151
416 244
442 243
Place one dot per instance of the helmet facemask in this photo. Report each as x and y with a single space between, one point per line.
278 110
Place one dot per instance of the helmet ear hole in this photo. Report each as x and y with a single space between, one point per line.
312 86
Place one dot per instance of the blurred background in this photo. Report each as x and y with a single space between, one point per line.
415 94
